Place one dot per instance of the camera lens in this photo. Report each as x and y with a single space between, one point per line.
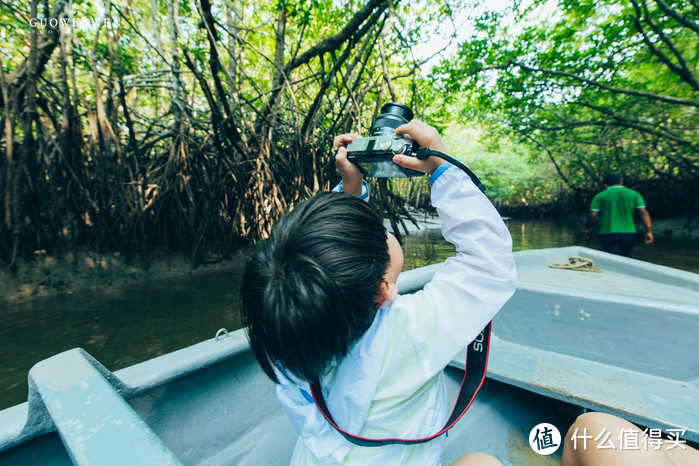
392 116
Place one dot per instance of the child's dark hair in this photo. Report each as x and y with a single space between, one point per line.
309 291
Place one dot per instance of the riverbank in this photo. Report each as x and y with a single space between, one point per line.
683 227
84 270
425 221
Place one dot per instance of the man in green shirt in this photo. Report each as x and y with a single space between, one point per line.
616 206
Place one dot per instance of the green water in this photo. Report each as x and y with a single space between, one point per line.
123 326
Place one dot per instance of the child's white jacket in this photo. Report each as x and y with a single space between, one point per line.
390 385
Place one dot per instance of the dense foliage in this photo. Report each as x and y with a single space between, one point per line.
186 126
158 126
594 87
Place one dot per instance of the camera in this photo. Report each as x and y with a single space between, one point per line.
374 154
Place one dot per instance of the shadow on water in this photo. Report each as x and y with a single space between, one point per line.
118 326
124 326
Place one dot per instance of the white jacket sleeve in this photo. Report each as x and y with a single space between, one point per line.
470 289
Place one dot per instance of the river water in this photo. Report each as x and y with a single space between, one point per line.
124 326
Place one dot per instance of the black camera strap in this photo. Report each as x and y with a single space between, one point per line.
474 375
425 152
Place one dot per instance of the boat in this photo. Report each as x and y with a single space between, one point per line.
621 340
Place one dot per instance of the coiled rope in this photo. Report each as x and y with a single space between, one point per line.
582 264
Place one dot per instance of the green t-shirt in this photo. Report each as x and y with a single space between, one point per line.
616 206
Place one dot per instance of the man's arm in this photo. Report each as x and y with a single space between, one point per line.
591 217
644 216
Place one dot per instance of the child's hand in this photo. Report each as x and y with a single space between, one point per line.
351 174
426 136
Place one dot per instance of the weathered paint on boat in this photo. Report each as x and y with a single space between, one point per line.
622 341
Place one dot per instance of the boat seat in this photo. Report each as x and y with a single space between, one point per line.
97 426
644 399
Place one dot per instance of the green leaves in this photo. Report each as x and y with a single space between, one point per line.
588 80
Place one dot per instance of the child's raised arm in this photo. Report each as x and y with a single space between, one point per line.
351 174
426 136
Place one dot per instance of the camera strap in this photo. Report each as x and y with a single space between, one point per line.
474 375
425 152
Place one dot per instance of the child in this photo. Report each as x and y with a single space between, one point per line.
320 298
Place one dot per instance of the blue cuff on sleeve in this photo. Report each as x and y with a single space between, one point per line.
365 190
438 172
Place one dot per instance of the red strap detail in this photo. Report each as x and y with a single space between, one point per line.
476 360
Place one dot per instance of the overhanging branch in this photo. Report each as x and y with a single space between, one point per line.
649 95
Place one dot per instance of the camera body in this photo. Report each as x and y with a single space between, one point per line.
374 154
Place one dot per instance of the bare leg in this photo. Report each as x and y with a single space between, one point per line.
635 448
477 459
